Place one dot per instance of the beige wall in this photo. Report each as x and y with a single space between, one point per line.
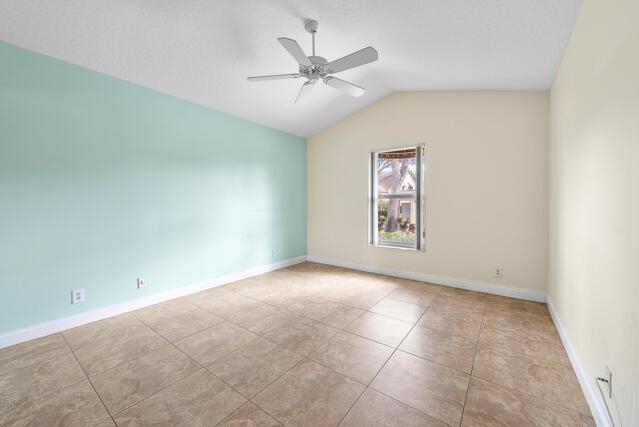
486 184
594 196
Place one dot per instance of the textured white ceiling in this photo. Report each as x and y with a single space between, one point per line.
202 50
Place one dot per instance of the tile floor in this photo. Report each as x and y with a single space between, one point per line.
309 345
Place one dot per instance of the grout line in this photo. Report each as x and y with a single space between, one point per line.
531 396
220 379
186 336
201 367
154 394
89 380
386 362
472 368
48 394
272 382
405 404
353 405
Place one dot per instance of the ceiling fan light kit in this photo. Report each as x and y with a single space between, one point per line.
315 68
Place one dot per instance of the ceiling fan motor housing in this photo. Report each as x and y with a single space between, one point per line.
318 71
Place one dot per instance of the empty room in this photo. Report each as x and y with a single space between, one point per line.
319 213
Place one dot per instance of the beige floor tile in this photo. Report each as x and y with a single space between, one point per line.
309 394
353 356
176 320
400 310
197 400
123 340
528 341
76 405
376 409
254 365
34 350
496 304
31 370
207 294
102 330
261 293
225 304
530 375
107 423
531 321
454 351
301 335
434 389
463 296
262 319
579 401
417 285
453 319
133 381
312 267
249 415
362 300
253 286
300 305
210 344
382 329
459 303
491 405
423 298
329 312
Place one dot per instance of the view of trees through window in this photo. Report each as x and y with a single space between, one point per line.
397 197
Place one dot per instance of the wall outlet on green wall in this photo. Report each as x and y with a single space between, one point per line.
77 296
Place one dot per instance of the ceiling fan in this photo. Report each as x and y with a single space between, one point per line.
315 68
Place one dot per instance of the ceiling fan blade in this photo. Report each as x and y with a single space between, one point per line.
272 77
346 87
355 59
304 92
295 50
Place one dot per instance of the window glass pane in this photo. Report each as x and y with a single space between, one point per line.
396 172
396 197
396 221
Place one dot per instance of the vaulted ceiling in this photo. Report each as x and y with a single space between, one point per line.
203 50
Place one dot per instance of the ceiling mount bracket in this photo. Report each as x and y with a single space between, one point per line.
311 26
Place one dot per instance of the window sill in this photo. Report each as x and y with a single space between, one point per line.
404 248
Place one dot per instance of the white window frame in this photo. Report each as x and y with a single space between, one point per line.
420 169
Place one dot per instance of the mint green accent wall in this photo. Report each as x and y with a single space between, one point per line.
102 181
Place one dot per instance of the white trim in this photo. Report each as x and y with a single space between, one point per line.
489 288
593 397
51 327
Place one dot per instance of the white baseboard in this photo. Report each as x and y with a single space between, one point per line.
51 327
596 403
489 288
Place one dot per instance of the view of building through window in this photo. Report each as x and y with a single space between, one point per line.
396 175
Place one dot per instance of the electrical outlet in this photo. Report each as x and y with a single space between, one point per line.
77 296
499 272
141 283
273 253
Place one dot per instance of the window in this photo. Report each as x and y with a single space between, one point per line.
396 187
